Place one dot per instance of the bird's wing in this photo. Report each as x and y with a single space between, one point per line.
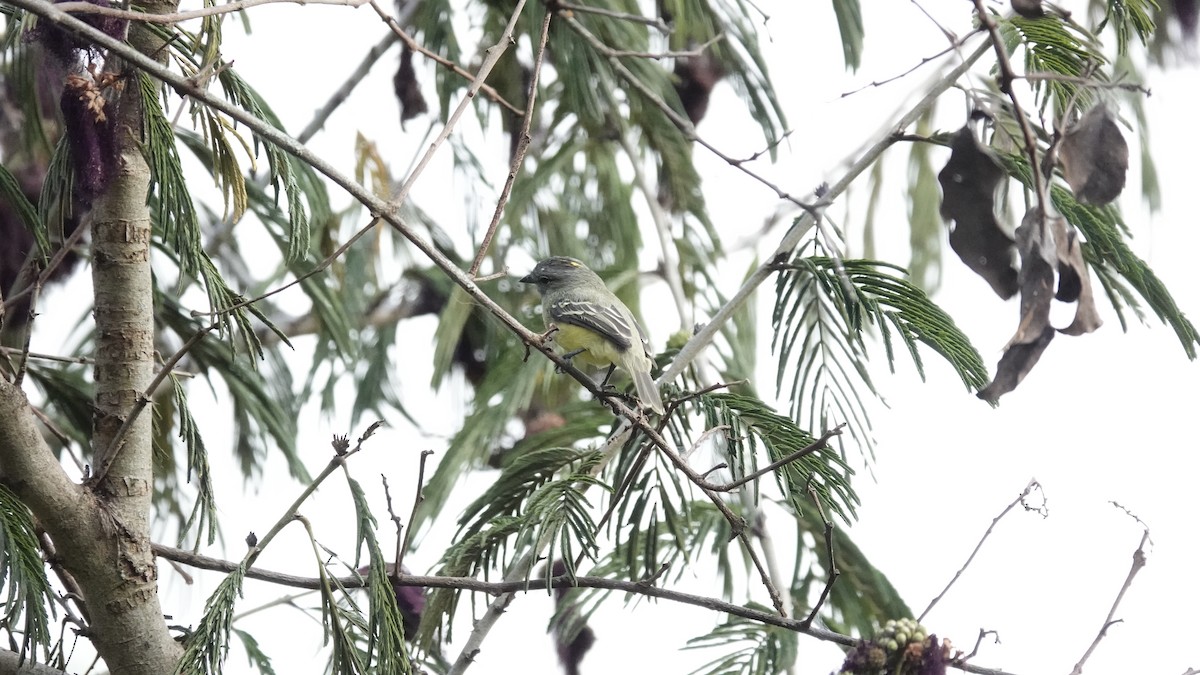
603 318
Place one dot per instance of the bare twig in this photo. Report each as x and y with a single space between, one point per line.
1029 488
175 17
343 92
656 22
764 575
493 56
417 499
678 54
1139 561
807 450
832 569
522 147
28 328
1007 75
398 31
321 266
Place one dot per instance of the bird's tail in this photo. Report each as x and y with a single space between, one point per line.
648 391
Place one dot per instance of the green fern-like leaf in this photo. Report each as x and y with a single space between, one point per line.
204 511
206 648
750 647
22 572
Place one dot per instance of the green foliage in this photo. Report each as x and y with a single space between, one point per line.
748 647
204 511
11 191
850 23
820 319
206 648
861 595
387 651
750 423
257 657
1129 18
1056 47
23 573
1121 272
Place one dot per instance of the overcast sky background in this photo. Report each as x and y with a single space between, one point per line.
1102 417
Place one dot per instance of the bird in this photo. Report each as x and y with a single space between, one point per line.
593 324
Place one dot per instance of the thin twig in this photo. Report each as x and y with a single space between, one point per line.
834 573
656 22
412 518
522 147
321 266
387 496
684 125
493 56
1007 75
114 447
1029 488
677 54
1139 561
343 92
175 17
764 575
398 31
1084 81
27 339
55 261
807 450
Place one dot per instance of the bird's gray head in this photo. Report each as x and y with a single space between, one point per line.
553 271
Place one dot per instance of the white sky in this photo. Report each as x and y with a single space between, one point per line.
1102 417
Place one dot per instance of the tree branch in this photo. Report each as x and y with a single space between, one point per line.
499 588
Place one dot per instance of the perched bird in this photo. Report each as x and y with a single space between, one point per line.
593 324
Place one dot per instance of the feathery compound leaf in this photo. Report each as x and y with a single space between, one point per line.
386 649
23 572
11 191
257 657
810 321
757 649
304 191
171 201
889 298
205 509
1129 18
1053 46
750 422
207 647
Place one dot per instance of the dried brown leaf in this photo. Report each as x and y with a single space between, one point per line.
408 90
969 181
1039 257
1094 157
1074 281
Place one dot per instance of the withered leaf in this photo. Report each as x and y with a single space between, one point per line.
408 90
969 181
1074 281
697 76
1094 157
1039 256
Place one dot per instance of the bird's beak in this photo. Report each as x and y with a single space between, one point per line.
527 279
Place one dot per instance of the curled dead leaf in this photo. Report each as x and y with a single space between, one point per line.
969 181
1074 281
408 90
1094 157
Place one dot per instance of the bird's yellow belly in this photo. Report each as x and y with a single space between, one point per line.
599 352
